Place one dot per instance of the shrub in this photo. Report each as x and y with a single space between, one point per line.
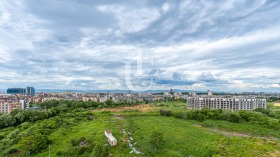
181 115
272 114
33 143
59 153
74 142
205 111
156 140
82 139
234 117
165 113
245 115
11 151
124 145
216 114
99 150
201 117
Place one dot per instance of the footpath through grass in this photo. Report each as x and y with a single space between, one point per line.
181 137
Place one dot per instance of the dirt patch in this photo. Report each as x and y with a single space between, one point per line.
238 134
235 134
118 116
226 133
199 126
139 107
275 153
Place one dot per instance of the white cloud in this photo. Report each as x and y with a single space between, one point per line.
132 20
197 45
165 7
4 55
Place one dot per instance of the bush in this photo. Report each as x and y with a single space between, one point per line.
245 115
59 153
33 143
201 117
74 142
124 145
181 115
165 113
11 151
82 150
99 150
156 140
234 117
82 139
272 114
216 114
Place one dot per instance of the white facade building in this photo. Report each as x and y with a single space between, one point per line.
225 103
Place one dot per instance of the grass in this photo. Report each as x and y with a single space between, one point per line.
179 135
271 106
91 129
252 129
182 137
172 106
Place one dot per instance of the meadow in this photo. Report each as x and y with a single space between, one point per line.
177 137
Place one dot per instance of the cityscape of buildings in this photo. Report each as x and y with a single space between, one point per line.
21 98
28 91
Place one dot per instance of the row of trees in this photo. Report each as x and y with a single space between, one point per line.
56 107
17 117
51 109
273 99
72 104
235 117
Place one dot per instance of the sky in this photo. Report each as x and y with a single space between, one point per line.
149 44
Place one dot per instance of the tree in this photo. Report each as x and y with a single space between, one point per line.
201 117
234 117
33 143
20 118
7 120
262 110
245 115
165 113
109 102
157 140
99 150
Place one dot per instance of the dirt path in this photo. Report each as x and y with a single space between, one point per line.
236 134
239 134
139 107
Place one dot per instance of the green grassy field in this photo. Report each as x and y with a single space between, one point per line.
181 137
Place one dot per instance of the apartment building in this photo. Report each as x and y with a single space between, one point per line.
225 102
8 107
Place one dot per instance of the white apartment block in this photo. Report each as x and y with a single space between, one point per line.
225 103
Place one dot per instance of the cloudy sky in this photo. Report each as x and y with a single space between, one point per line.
194 44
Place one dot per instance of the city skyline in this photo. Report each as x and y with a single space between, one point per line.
187 45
